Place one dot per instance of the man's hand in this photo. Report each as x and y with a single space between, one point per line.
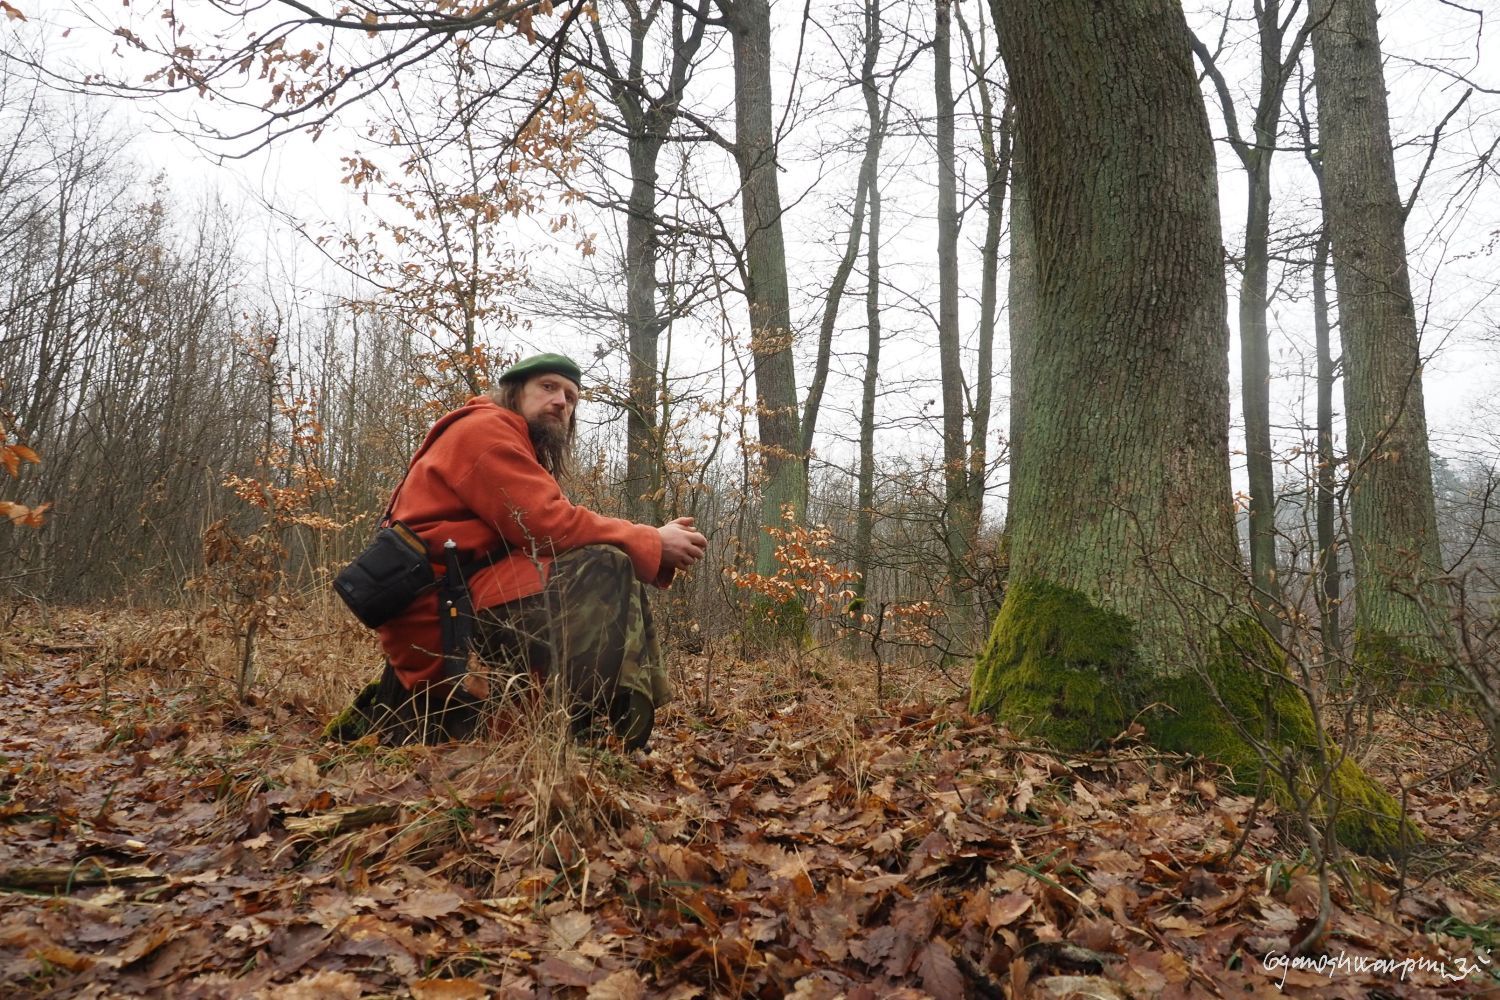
681 544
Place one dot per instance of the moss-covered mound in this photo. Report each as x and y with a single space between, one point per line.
1058 667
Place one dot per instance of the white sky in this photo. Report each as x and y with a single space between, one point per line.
1456 277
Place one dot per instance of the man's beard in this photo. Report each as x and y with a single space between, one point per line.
553 449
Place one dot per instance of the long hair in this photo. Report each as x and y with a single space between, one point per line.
554 453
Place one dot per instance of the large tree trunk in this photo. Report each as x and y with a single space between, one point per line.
749 23
1398 609
1126 599
1021 296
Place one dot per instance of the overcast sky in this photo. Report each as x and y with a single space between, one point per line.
1451 233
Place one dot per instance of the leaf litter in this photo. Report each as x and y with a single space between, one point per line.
789 840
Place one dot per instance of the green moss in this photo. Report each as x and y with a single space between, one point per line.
354 722
1057 667
1368 819
1392 664
1266 709
1245 683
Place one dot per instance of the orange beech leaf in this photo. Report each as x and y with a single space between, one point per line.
21 515
11 12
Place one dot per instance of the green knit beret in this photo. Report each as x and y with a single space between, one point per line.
543 364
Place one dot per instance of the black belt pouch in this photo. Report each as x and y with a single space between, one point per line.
386 577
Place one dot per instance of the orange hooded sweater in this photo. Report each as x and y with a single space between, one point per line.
476 480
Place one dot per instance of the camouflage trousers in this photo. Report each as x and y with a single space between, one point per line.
586 640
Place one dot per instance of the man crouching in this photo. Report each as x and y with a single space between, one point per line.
554 590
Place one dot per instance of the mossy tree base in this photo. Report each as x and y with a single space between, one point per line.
1393 665
1059 668
776 626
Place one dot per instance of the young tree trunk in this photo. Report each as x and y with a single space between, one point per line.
643 326
1255 154
647 120
1399 608
1328 588
957 531
1126 600
864 525
1255 390
996 140
831 311
749 23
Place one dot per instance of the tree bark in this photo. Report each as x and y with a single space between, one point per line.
749 23
1021 296
864 525
1125 600
1399 608
647 119
1329 579
957 531
1255 154
643 326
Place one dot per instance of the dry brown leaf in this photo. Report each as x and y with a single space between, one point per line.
1304 895
912 927
1021 800
622 985
815 987
571 928
554 971
1020 974
67 958
1181 925
1007 909
939 974
325 985
300 773
449 989
1077 988
429 904
144 944
832 929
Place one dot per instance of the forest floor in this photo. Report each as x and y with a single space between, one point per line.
788 833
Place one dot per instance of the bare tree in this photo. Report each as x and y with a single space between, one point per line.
863 555
1278 57
1393 524
957 533
766 290
647 101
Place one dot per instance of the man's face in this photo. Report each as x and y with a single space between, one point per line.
548 398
